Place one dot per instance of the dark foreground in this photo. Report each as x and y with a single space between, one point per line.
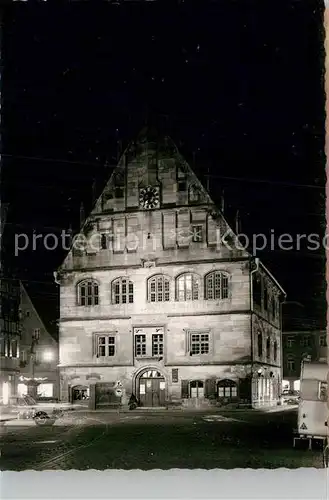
157 441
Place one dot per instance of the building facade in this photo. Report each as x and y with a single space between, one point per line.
38 355
298 345
10 330
154 303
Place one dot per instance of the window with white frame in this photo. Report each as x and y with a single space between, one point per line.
104 345
199 343
187 287
140 345
157 344
159 289
122 291
227 389
149 341
216 285
88 293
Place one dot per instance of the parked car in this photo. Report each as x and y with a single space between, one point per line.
25 407
290 397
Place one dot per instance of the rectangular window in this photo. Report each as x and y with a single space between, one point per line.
119 192
197 235
36 333
305 341
174 375
199 343
105 346
140 345
103 241
182 186
291 365
290 341
157 345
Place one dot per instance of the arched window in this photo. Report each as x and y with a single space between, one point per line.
275 351
268 348
88 293
187 287
122 291
260 344
158 289
227 389
216 285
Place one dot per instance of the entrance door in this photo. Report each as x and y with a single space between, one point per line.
152 389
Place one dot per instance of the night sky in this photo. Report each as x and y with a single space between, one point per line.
238 85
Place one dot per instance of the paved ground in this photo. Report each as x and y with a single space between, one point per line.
159 440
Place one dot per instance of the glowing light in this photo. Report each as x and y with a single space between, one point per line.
5 393
48 356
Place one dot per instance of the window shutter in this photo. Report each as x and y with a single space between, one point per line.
210 387
211 231
118 235
169 230
132 234
184 389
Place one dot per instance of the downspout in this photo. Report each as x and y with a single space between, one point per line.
251 305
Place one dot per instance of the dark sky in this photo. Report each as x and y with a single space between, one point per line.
238 83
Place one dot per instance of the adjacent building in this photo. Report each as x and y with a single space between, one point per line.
38 354
159 301
9 320
301 341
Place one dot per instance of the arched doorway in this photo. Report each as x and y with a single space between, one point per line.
151 387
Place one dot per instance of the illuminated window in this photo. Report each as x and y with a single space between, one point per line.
88 293
187 287
227 389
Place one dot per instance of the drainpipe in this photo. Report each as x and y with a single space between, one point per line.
251 305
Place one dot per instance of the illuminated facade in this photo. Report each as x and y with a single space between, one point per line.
154 302
38 355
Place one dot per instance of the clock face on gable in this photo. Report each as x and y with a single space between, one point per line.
149 197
